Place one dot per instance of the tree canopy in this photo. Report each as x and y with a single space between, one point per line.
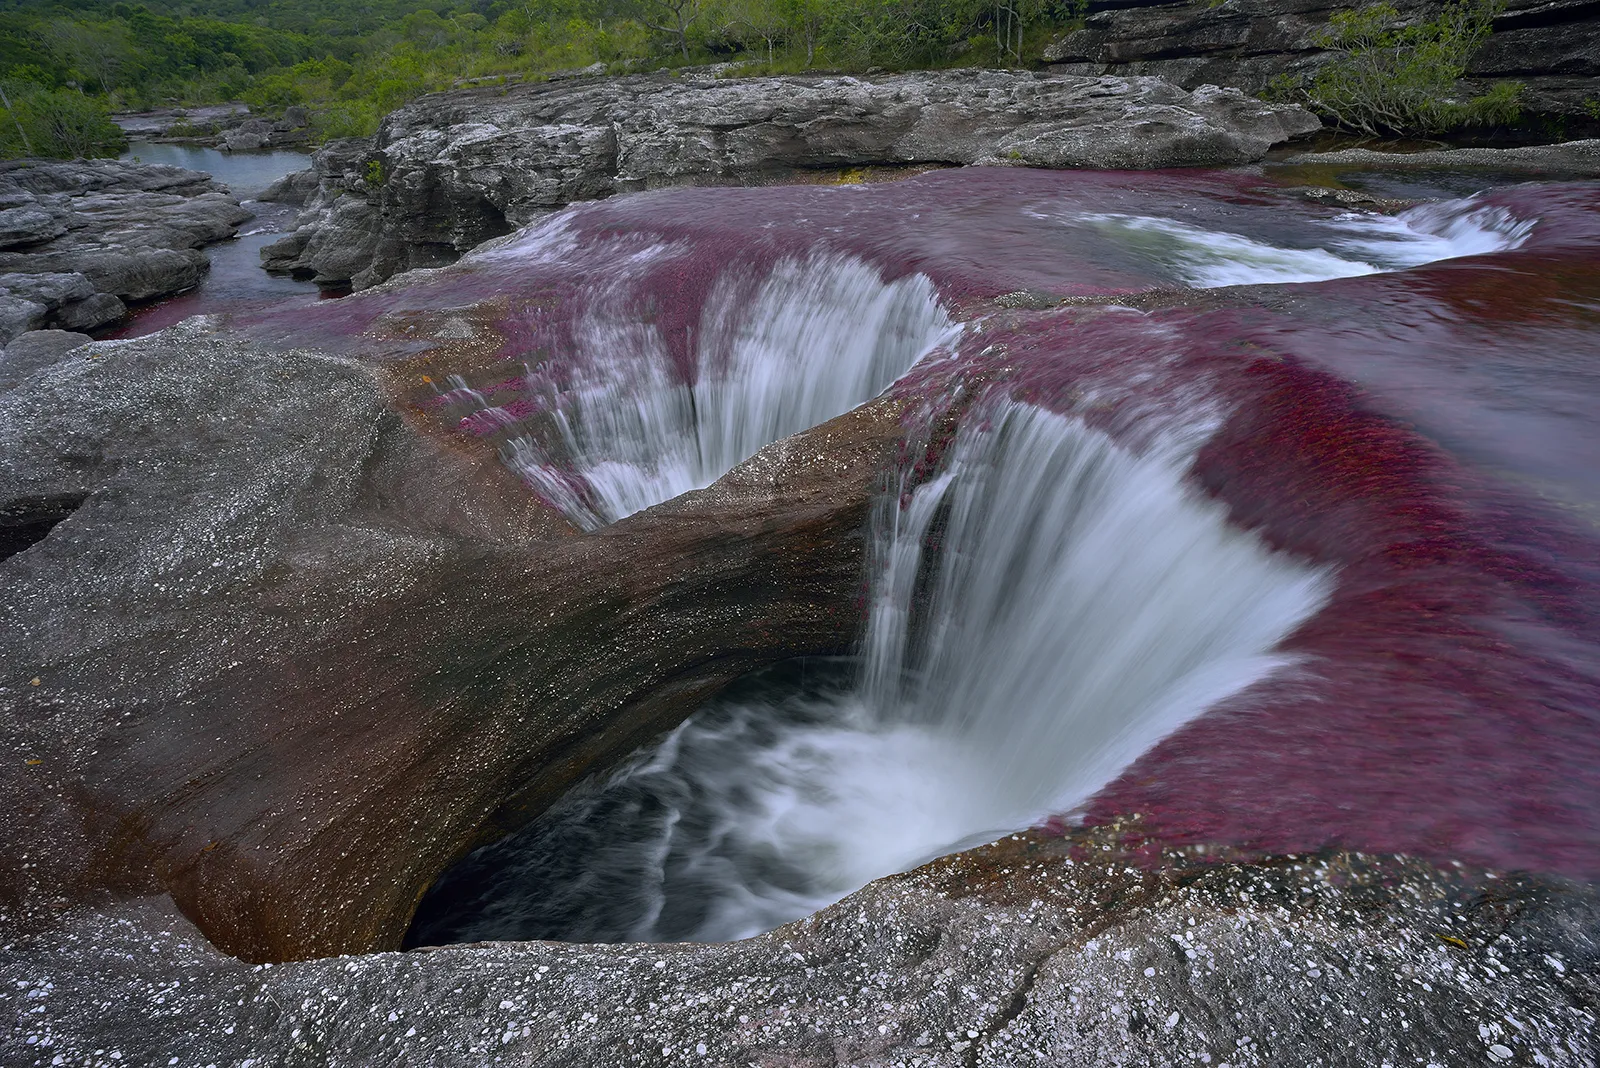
353 61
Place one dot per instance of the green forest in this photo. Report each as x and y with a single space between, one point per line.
66 64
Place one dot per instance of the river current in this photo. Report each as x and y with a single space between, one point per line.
1270 521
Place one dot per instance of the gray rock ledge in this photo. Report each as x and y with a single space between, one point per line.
1032 951
80 239
452 170
1568 159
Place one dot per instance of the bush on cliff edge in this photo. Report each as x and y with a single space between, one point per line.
1390 76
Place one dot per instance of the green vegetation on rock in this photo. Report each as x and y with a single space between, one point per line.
1393 76
353 63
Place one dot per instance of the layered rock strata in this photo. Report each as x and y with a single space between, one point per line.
452 170
80 240
1551 46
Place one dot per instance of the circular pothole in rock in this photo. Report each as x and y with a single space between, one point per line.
1044 610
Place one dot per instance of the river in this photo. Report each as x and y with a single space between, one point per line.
236 279
1267 519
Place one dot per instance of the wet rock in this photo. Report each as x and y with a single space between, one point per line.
1029 951
117 231
293 706
452 170
1551 46
1568 159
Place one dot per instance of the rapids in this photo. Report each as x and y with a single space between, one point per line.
1083 602
1266 520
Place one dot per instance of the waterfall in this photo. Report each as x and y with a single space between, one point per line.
1044 610
817 337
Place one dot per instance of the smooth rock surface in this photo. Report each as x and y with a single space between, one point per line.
35 350
1031 951
1568 159
452 170
81 238
293 706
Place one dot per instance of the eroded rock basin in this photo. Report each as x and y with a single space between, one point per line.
304 643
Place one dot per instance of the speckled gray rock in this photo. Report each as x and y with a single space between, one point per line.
35 350
1568 159
449 171
238 664
1012 954
78 239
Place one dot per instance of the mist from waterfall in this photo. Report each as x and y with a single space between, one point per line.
817 337
1043 611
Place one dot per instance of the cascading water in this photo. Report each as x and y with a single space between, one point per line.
1044 610
1349 245
817 337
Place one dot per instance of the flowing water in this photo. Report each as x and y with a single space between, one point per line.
1068 589
1312 561
1083 603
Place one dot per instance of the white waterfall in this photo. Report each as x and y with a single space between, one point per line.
818 337
1355 243
1044 611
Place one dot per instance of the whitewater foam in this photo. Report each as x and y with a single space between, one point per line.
1356 243
1044 611
817 337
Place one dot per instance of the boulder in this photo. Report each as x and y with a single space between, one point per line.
34 350
28 226
452 170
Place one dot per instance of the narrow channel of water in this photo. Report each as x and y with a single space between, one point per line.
236 279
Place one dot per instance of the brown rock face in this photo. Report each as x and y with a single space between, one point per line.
288 654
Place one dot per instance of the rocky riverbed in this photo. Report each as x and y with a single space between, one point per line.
298 608
452 170
81 240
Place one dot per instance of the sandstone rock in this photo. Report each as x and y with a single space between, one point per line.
1030 951
47 288
18 315
1570 158
28 226
272 507
117 231
293 189
34 350
90 312
1551 46
452 170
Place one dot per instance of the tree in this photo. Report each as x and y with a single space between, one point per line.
1393 76
97 50
671 17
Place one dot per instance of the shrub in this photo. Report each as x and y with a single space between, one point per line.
60 123
1390 76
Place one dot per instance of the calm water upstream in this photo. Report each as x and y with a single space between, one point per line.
236 279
